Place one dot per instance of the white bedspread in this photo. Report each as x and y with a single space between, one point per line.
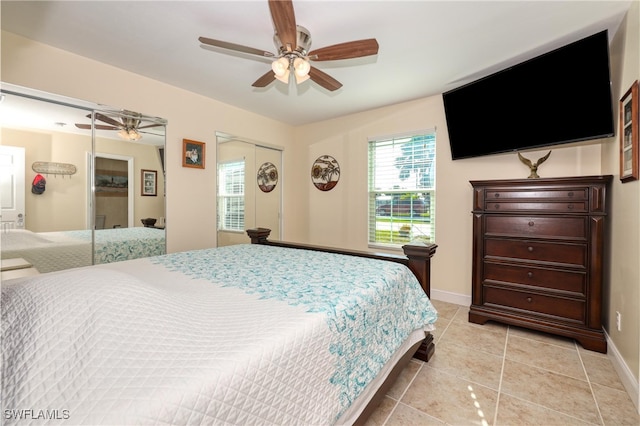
190 338
56 251
46 251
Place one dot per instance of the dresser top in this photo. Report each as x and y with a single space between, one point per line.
572 180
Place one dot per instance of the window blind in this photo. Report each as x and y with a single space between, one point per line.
231 196
402 189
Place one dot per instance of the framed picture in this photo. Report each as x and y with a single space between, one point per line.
629 134
193 154
112 183
149 182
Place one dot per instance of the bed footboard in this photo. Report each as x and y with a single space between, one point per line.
417 258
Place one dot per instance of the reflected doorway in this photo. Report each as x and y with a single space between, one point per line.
113 191
12 187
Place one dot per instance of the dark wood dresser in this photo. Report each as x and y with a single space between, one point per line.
538 252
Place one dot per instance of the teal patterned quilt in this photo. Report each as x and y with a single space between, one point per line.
118 244
370 306
239 335
54 251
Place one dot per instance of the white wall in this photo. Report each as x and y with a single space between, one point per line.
64 205
190 192
624 267
339 217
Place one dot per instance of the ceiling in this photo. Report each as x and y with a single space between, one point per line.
23 108
426 47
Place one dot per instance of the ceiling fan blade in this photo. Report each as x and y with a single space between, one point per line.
284 21
107 120
98 127
151 133
236 47
324 79
348 50
149 125
265 80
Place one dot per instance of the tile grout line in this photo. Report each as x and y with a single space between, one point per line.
586 374
504 359
402 394
423 364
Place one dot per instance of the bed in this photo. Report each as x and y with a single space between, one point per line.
261 333
55 251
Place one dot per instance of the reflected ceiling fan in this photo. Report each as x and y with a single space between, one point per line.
293 42
128 127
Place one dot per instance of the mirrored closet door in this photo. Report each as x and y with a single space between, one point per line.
249 192
80 183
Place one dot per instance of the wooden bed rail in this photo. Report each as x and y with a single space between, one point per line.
417 255
417 258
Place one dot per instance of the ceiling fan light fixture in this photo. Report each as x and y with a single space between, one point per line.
301 67
300 79
284 77
280 67
129 134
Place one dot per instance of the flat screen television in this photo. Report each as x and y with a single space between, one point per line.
559 97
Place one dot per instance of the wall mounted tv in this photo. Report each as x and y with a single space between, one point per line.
559 97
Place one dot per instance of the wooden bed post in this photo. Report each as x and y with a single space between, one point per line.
417 257
258 235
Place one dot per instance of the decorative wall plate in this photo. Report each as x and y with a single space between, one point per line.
325 173
51 168
267 177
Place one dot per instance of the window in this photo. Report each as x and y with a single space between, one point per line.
231 196
402 189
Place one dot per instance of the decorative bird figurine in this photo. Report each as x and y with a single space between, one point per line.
534 166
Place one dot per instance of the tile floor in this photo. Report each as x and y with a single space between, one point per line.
493 374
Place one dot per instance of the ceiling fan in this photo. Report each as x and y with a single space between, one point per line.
292 43
128 126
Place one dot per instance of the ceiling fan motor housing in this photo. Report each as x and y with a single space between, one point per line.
303 43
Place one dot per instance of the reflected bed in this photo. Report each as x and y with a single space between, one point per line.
54 251
246 334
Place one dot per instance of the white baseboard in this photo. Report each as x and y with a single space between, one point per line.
446 296
629 382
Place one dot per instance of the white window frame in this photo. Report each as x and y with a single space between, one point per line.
231 190
409 214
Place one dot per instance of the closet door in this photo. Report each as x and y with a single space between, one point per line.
268 205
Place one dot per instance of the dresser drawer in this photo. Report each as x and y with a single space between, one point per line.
561 281
512 299
538 247
541 206
578 193
537 226
537 251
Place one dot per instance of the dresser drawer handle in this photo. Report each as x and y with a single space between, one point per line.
497 206
530 274
530 249
497 195
570 206
529 299
531 223
570 194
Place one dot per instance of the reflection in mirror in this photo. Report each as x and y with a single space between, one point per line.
53 151
241 201
129 187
